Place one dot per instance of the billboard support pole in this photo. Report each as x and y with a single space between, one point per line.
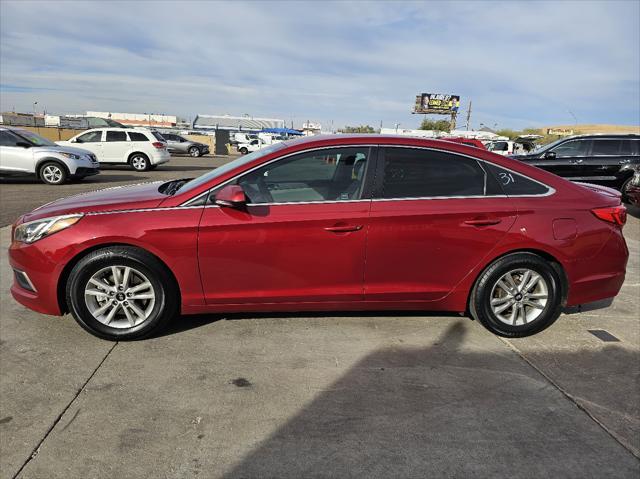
452 124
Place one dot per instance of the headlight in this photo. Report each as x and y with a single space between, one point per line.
69 155
38 229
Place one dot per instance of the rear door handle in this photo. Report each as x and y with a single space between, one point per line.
483 222
575 162
343 228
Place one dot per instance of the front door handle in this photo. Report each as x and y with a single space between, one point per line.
575 162
483 222
343 228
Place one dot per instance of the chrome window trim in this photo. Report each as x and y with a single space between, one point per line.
550 190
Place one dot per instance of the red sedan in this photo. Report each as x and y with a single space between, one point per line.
327 223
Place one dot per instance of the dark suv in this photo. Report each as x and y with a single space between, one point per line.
608 160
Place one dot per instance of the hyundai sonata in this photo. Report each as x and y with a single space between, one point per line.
327 223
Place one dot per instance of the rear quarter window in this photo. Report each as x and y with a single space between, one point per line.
133 136
515 184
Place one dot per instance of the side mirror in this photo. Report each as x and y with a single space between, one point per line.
23 144
231 196
550 155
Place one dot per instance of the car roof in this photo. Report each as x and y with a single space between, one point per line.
605 135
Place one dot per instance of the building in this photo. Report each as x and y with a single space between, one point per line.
309 128
235 123
138 119
21 119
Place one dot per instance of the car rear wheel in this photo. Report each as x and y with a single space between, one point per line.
140 162
244 151
518 295
194 151
53 173
121 293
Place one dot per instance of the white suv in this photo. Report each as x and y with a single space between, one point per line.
141 148
23 152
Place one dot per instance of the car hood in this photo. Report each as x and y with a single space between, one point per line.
144 195
62 149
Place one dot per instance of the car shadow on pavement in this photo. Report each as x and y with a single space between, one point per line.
193 321
448 410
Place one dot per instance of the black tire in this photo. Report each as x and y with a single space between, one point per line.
481 295
195 152
139 162
53 173
165 305
244 151
623 189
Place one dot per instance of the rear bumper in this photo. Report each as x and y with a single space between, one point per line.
160 157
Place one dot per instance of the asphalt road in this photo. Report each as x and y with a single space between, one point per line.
286 396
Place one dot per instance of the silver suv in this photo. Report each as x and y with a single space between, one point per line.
178 144
23 152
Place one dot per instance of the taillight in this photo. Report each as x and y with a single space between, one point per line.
159 145
615 214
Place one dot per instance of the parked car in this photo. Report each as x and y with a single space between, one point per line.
241 137
253 145
24 153
632 190
345 222
520 146
141 148
608 160
179 144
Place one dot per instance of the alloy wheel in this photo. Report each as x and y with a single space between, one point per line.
139 163
52 174
519 297
119 296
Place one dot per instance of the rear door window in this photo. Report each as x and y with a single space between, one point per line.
116 136
420 173
135 136
606 147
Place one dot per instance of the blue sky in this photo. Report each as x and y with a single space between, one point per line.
521 63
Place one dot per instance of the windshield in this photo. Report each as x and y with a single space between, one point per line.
34 138
243 160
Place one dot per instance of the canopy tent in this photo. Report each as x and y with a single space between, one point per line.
281 131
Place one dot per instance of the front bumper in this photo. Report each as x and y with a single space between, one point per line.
42 263
82 172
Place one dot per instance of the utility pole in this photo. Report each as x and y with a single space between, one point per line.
468 115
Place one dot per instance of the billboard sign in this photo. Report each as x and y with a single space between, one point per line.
437 103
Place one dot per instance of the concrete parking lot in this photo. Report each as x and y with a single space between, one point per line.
315 395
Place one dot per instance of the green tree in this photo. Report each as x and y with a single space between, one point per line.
358 129
437 125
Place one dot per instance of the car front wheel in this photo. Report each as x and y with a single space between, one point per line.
121 293
53 173
244 151
518 295
194 151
